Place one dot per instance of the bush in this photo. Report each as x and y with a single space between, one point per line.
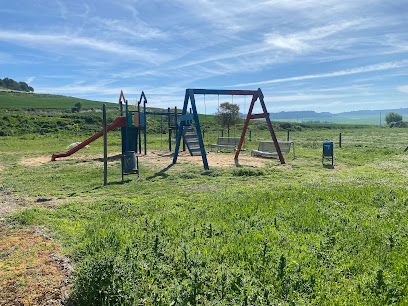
393 117
399 124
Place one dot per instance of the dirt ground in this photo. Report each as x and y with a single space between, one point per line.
32 271
165 158
10 203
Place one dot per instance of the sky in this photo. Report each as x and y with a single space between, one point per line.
315 55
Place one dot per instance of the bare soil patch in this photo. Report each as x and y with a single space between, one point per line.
32 271
220 160
10 203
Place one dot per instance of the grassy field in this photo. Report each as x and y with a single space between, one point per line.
262 234
17 100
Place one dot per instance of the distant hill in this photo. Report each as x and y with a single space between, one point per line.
300 114
20 100
352 117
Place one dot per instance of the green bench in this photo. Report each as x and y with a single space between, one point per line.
267 148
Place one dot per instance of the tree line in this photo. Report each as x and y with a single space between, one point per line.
13 85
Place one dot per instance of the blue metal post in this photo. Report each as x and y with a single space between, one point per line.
127 133
175 121
169 127
198 130
139 133
145 122
182 123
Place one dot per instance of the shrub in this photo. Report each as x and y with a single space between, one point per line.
393 117
399 124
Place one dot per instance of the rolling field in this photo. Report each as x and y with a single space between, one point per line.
262 234
16 100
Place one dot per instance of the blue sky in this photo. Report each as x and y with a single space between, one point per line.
305 55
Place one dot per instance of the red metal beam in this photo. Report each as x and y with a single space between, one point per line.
257 116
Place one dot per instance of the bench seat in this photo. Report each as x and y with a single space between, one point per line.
226 142
267 148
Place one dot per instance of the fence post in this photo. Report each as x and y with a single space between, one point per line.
288 136
340 140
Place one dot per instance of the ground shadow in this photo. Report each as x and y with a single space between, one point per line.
110 158
161 173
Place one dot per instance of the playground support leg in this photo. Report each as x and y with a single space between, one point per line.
105 147
241 140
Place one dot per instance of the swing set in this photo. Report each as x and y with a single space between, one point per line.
186 119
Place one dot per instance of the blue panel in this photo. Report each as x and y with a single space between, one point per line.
142 120
186 117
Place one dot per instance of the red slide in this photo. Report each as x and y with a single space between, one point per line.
117 123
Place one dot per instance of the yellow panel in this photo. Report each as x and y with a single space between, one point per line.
136 119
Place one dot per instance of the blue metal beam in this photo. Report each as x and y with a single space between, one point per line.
223 92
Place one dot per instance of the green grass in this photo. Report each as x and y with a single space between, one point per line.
13 100
298 234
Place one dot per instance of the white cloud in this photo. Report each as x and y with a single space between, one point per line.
403 88
30 79
61 41
363 69
302 41
135 29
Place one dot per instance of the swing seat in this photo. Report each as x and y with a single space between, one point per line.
267 148
226 143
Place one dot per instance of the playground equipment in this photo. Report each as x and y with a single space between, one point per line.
267 148
226 143
132 124
186 119
119 122
135 125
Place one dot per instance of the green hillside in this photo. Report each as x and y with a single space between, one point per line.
344 119
19 100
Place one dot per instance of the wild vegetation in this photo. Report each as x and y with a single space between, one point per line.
297 234
13 85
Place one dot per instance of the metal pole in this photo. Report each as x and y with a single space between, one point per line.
105 147
145 125
339 140
127 128
288 135
169 127
250 135
139 131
